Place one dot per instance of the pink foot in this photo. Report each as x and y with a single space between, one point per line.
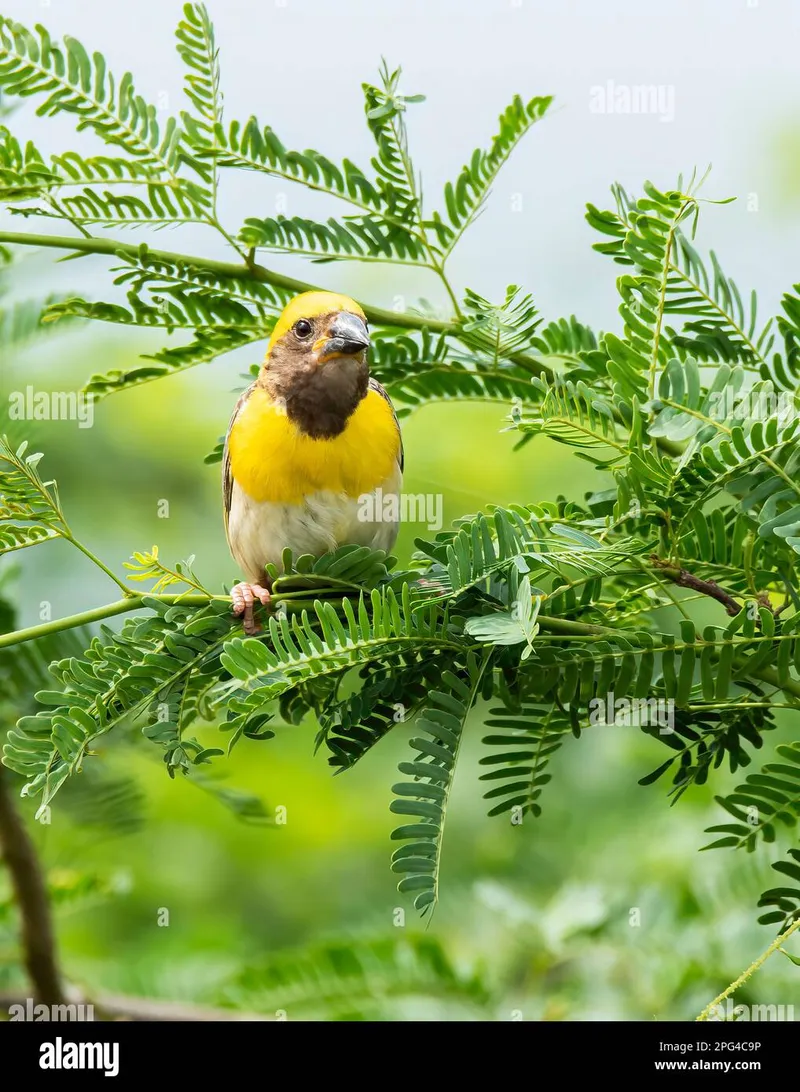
244 597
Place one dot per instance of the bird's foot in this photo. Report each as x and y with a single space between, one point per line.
244 597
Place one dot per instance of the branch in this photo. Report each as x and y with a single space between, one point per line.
260 273
684 579
38 940
558 626
132 602
743 977
378 315
255 272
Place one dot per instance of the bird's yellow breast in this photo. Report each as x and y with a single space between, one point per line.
272 460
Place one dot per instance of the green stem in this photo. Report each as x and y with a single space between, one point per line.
571 629
743 977
260 273
252 271
87 617
92 557
135 601
663 296
438 268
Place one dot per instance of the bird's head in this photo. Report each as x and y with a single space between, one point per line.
316 361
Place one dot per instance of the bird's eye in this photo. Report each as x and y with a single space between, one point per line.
303 328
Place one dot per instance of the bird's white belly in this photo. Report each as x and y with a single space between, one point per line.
259 531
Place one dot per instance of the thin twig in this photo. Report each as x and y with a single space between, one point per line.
743 977
684 579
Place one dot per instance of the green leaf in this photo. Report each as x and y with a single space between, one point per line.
442 722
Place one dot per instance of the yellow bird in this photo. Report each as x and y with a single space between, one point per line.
313 447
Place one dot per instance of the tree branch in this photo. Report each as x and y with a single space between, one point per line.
249 271
684 579
85 618
252 271
38 940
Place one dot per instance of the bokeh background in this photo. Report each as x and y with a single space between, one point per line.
602 908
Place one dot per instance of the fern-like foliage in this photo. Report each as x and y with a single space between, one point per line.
499 331
223 313
718 325
385 110
30 509
519 753
253 147
702 740
197 48
785 899
424 798
647 241
67 79
112 683
464 199
515 540
667 596
766 798
389 693
352 980
573 413
376 628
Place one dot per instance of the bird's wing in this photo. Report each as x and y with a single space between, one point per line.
374 385
227 477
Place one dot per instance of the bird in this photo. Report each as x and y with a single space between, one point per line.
312 439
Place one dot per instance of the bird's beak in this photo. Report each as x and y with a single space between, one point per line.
346 337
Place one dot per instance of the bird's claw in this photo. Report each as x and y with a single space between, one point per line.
244 597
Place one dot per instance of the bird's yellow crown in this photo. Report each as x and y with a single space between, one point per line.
308 305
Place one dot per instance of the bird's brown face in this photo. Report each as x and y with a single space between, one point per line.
318 371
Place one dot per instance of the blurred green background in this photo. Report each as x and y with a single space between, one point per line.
601 909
